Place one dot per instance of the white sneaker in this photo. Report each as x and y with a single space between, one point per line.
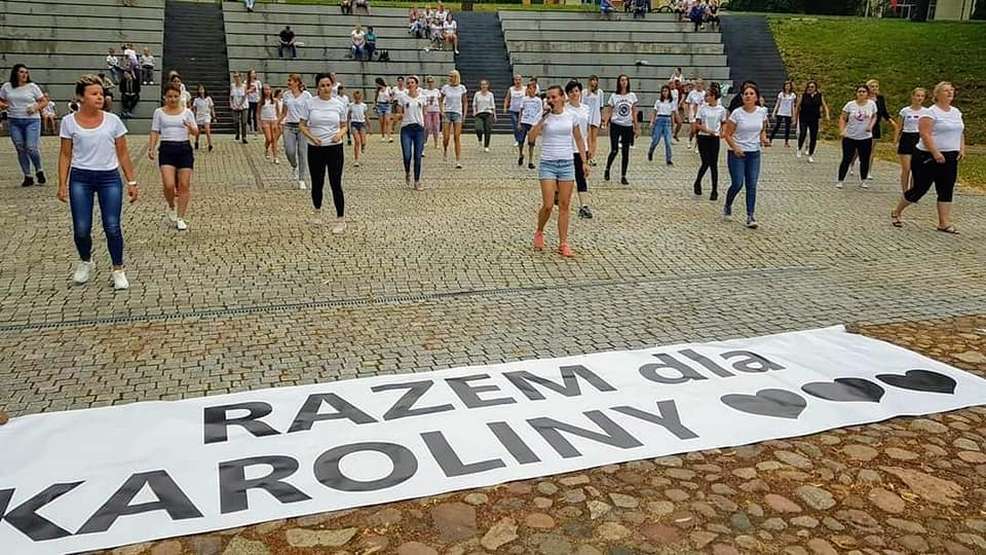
301 184
797 154
870 177
276 161
487 149
82 272
316 218
515 144
120 280
838 184
356 164
811 159
339 226
864 185
852 170
458 165
181 225
173 215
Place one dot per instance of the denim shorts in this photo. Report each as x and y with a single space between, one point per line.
383 108
453 116
559 170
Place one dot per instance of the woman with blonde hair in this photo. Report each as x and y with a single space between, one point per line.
268 122
940 148
907 134
453 103
292 105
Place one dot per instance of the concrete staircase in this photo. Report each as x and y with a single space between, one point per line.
753 54
483 55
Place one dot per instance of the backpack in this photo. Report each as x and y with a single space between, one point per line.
384 56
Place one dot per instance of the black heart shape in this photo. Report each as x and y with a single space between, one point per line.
920 380
845 390
768 402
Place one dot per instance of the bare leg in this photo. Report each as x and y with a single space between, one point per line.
184 193
905 172
548 187
457 133
564 209
446 136
944 214
169 181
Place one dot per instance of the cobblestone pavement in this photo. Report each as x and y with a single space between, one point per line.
907 485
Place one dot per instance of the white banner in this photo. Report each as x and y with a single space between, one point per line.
99 478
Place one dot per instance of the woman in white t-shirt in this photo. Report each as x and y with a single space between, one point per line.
484 110
580 151
254 87
745 132
205 113
454 105
357 125
450 32
240 106
784 112
93 150
323 123
936 156
295 147
907 134
511 105
433 112
560 135
23 101
856 127
268 107
173 125
621 116
708 126
694 102
411 106
593 99
662 120
531 110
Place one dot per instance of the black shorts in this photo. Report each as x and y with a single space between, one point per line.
908 141
177 154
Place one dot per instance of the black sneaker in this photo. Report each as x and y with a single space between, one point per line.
670 163
623 181
650 156
530 165
606 175
196 145
520 161
236 139
41 178
244 141
714 196
210 148
28 181
585 213
697 189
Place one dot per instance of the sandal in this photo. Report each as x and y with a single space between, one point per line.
895 219
948 229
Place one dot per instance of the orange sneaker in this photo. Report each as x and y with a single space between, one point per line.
538 240
565 250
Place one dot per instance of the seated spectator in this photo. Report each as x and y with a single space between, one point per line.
435 34
358 46
605 7
49 116
287 43
371 42
249 5
712 15
108 86
450 32
113 64
347 6
640 8
363 5
441 13
697 15
129 94
147 67
418 26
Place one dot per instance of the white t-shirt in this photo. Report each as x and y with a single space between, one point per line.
785 103
712 117
748 127
483 103
676 97
94 149
172 127
581 115
324 118
112 61
696 98
453 97
357 112
384 95
947 128
450 27
910 118
253 93
858 119
413 107
147 60
268 110
556 136
516 98
531 110
622 105
594 101
294 105
359 37
49 109
665 107
431 99
237 97
203 109
20 98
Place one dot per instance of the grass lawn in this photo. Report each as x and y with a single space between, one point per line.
841 52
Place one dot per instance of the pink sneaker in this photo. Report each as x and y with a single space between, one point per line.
538 240
565 250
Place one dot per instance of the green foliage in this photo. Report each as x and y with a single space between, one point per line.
842 52
826 7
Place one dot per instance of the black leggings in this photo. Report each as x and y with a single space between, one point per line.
851 147
786 120
580 183
928 172
708 150
620 138
252 117
809 129
321 158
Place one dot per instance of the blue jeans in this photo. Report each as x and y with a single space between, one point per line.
25 133
515 125
108 187
661 130
743 171
413 137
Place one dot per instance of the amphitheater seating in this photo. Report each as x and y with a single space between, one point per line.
557 46
252 40
59 40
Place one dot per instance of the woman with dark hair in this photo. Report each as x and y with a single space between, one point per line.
254 87
23 101
745 132
856 128
621 116
93 151
557 168
411 106
784 112
205 113
664 116
292 106
708 124
936 158
809 115
580 150
323 123
531 110
173 124
382 108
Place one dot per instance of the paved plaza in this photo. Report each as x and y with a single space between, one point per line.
253 296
